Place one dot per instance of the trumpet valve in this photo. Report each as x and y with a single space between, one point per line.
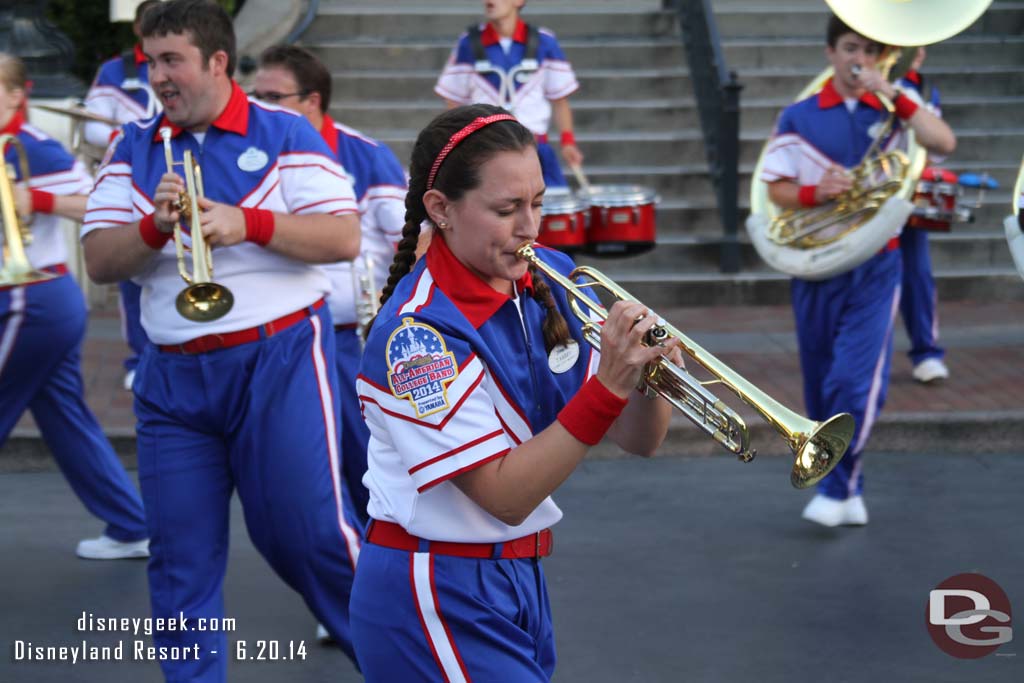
183 207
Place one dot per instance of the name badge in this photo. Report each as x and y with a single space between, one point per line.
562 358
252 159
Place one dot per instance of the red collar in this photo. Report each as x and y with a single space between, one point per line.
829 97
489 36
15 124
234 118
329 133
140 56
477 300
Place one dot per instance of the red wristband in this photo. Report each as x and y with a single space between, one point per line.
259 225
151 235
568 138
807 195
42 202
905 107
590 413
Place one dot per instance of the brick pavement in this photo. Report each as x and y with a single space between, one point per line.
984 342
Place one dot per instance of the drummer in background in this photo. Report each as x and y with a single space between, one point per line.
494 56
42 325
919 300
844 323
121 92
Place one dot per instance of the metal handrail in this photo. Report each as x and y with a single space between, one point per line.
717 91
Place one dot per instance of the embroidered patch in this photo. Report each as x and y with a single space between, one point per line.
252 159
420 367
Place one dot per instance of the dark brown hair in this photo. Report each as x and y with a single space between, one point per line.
206 24
459 174
309 73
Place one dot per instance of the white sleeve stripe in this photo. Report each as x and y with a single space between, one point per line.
564 92
345 205
471 466
420 295
508 412
335 170
458 449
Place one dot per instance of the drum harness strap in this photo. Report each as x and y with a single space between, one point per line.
484 65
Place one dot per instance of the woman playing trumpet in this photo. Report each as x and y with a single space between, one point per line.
42 325
481 397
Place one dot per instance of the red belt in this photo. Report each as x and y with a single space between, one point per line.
391 535
214 342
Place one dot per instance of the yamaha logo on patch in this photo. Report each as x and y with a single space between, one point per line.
252 159
420 367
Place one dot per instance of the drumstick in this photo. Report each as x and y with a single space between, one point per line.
580 178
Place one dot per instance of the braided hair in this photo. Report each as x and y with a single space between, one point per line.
459 174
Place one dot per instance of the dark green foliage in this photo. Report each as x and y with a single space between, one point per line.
87 25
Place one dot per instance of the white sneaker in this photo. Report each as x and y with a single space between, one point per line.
129 379
825 511
854 511
930 369
323 636
106 548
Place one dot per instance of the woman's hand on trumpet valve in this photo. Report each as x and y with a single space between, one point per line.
223 225
833 182
623 354
165 199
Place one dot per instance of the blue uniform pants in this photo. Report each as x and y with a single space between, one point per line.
919 300
355 435
41 331
844 331
260 418
131 323
549 166
423 618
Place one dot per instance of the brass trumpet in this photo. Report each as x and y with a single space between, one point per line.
15 269
817 446
203 300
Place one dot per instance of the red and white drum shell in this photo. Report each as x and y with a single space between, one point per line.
563 221
935 200
622 220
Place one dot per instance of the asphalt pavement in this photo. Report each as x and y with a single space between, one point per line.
673 569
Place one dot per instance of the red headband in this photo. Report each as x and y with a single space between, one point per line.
473 126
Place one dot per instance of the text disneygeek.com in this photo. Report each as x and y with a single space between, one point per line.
142 650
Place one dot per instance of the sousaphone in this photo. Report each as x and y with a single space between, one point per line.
1012 225
824 241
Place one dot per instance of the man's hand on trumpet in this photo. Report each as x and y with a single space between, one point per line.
165 200
223 225
871 79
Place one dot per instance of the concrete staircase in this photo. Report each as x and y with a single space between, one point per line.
636 118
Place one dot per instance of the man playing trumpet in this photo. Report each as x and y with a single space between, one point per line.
844 323
249 400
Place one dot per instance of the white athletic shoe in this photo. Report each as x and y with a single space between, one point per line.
825 511
323 636
106 548
129 379
854 511
930 369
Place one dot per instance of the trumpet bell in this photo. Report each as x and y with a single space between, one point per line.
822 450
204 301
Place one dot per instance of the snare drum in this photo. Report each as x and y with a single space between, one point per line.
563 221
935 200
621 220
